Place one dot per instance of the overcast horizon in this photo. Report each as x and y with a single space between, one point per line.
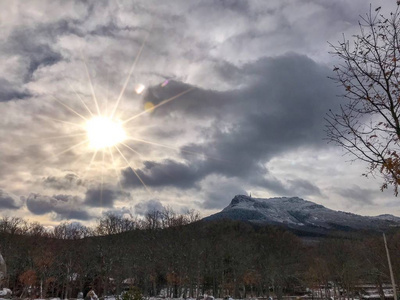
247 90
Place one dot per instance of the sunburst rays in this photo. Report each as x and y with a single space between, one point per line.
65 151
129 76
133 170
63 136
70 108
79 97
102 110
91 85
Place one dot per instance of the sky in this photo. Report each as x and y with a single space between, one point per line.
215 99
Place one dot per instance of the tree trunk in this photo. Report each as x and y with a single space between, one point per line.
191 287
279 292
155 287
214 285
380 290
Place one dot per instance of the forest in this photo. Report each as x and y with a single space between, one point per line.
171 255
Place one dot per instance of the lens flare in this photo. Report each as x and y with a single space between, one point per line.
149 106
139 88
104 132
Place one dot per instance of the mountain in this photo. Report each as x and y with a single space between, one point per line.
301 216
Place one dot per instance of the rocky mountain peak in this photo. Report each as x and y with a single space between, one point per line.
300 214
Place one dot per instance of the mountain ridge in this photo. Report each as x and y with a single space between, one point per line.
301 215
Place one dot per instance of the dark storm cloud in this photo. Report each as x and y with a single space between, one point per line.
355 193
303 188
8 201
64 206
10 91
145 207
102 197
281 108
166 173
34 44
39 204
197 103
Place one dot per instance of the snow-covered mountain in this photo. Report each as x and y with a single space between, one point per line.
300 215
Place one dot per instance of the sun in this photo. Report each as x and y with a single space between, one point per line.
103 132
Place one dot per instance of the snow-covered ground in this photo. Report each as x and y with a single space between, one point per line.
5 293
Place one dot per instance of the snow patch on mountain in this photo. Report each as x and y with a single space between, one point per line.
296 213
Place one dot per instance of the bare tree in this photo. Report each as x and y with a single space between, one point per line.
37 229
153 220
71 231
367 125
111 224
169 218
13 225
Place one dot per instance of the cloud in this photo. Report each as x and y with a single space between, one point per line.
259 72
9 201
119 211
74 214
219 190
303 188
103 197
357 194
10 91
165 173
34 46
64 206
142 208
69 181
280 108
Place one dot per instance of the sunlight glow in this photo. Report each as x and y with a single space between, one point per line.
104 132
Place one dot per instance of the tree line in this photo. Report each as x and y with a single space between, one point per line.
178 255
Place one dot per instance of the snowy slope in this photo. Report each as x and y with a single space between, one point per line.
300 214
